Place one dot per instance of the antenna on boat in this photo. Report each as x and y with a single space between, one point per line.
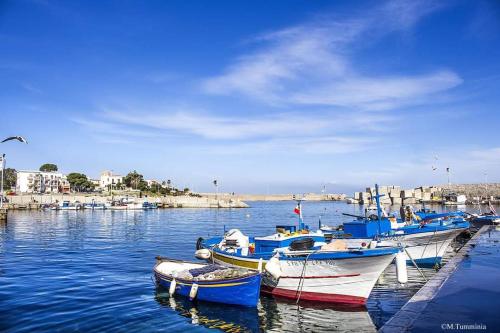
377 199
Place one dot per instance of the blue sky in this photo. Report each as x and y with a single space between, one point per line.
281 96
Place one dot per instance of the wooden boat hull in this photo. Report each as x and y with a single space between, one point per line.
242 291
327 277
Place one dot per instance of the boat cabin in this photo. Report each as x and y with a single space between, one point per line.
367 228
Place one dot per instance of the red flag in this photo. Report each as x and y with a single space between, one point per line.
297 210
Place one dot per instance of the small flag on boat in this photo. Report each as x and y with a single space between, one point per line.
297 210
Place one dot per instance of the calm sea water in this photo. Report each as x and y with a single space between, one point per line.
90 271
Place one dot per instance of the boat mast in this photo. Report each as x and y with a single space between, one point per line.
301 220
377 199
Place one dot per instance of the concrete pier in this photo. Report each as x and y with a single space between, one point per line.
462 296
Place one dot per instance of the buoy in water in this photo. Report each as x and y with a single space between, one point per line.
401 271
193 291
202 254
171 290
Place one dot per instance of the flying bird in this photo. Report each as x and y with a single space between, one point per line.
18 138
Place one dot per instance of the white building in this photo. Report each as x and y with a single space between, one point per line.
109 179
152 182
41 182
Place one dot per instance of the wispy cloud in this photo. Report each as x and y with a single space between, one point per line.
281 125
111 130
331 145
312 64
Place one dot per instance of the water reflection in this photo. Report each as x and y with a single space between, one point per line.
271 315
227 318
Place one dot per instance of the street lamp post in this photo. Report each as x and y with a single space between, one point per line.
20 139
3 167
216 191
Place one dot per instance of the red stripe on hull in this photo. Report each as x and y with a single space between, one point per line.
320 277
317 297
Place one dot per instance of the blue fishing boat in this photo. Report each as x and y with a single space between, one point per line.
425 239
94 206
209 282
486 218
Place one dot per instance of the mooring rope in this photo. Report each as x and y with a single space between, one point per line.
301 281
415 264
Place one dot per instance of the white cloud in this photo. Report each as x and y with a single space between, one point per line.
312 64
330 145
242 128
111 130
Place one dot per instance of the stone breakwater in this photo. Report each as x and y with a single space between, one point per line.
475 190
281 197
36 201
395 195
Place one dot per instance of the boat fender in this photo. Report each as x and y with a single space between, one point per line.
373 244
171 290
401 271
193 291
203 254
199 243
273 267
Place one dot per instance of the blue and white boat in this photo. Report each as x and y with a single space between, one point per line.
94 206
300 265
424 242
209 282
486 218
149 205
66 205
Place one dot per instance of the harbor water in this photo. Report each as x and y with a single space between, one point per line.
91 271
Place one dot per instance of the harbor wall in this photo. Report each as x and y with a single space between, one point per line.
284 197
34 201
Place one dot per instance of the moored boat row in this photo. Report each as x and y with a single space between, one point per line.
335 265
115 205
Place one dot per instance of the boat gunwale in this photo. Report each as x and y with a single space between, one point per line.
349 254
251 273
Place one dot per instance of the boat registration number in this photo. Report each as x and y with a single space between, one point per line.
311 262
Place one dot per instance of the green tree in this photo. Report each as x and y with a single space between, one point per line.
9 178
79 182
135 181
48 167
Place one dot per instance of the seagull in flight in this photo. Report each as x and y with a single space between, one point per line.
18 138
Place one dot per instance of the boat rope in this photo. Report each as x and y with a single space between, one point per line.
301 281
415 264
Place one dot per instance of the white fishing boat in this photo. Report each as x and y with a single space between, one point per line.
425 242
135 206
66 205
300 265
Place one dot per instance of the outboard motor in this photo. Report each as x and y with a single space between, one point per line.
234 239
